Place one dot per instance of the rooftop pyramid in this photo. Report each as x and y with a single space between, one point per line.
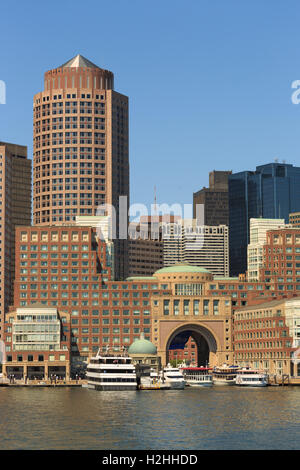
79 61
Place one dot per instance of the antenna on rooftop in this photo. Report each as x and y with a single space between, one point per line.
155 207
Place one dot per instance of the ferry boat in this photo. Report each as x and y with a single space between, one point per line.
111 372
173 377
224 375
197 376
251 378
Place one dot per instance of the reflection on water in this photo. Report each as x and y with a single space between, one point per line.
208 418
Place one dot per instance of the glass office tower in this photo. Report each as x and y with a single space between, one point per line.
271 192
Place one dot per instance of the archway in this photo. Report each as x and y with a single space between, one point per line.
204 339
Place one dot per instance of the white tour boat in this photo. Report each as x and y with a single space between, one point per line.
224 375
173 377
197 376
111 372
251 378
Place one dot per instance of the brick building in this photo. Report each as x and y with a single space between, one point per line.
80 147
15 209
267 335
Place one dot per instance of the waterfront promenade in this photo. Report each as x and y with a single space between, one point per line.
42 383
4 382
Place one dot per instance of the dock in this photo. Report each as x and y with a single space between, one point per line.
283 380
43 383
155 387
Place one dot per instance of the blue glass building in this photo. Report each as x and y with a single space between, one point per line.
271 192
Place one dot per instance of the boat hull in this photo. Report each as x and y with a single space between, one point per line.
199 384
112 388
224 382
252 385
175 385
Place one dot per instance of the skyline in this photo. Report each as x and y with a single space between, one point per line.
226 106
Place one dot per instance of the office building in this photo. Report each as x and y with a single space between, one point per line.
145 245
15 209
272 191
80 155
258 237
214 199
186 242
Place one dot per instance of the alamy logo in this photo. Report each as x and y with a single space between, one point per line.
2 92
296 95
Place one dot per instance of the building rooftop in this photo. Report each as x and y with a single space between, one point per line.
141 278
183 268
79 61
268 304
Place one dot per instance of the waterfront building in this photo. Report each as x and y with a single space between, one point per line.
214 199
266 336
64 267
59 266
272 191
187 242
103 227
80 148
15 209
189 310
258 236
37 343
281 261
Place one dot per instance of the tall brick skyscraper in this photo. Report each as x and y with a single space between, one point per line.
80 158
15 209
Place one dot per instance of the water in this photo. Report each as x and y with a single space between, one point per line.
191 419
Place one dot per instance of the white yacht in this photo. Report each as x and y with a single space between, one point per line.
251 378
173 377
197 376
111 372
224 375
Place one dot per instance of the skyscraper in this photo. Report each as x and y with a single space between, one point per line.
205 246
214 199
15 209
272 191
80 157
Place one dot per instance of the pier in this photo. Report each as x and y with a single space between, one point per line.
283 380
42 383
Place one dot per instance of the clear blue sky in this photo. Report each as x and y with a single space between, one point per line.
209 81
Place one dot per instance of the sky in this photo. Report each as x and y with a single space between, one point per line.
209 81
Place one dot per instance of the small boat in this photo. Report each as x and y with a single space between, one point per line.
151 380
197 376
148 383
224 375
111 372
173 377
251 378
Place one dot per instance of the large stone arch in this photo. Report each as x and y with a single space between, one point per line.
207 342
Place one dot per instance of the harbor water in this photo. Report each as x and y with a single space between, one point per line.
192 419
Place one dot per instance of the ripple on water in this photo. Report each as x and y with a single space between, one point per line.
210 418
